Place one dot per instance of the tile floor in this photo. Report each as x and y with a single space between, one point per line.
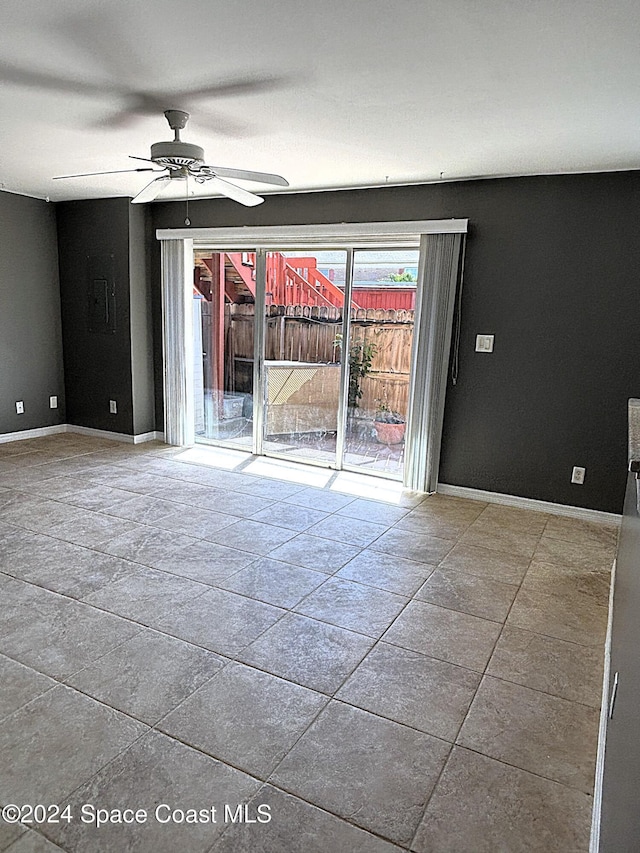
417 675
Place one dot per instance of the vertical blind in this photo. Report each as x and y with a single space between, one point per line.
440 254
177 341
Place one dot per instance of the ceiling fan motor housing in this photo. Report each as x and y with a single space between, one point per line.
176 154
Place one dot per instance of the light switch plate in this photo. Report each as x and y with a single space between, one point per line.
484 343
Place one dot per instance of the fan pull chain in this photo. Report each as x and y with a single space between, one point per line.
187 221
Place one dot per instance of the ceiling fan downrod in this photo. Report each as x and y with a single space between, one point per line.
177 121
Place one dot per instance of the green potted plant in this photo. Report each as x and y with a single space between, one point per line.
361 356
389 426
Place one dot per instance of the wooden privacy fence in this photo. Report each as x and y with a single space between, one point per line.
311 334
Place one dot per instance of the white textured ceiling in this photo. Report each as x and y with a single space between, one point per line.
368 91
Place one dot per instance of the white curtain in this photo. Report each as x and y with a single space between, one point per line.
440 255
177 341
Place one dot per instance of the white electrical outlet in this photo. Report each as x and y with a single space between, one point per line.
484 343
19 407
577 475
53 402
113 407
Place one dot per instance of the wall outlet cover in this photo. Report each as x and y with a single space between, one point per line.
113 407
53 402
19 407
577 475
484 343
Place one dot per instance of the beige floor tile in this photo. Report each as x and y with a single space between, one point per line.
274 582
148 676
257 719
290 516
422 692
41 758
581 531
497 516
506 540
594 556
394 574
427 525
253 536
543 734
9 832
337 765
486 563
545 663
145 595
155 770
357 776
484 597
414 546
33 842
316 553
218 620
298 828
203 561
308 652
67 638
354 606
448 507
577 619
374 511
444 634
20 684
569 580
483 806
344 528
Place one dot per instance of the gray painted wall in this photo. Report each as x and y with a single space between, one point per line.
108 236
141 325
31 366
97 365
552 271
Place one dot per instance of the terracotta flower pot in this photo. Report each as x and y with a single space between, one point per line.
389 433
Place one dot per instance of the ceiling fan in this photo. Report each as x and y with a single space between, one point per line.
178 160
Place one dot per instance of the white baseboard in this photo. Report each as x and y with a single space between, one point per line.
40 432
529 503
148 436
116 436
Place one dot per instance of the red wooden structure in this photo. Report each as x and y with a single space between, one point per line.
291 281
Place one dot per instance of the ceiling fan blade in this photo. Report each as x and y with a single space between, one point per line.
33 79
235 193
151 190
222 125
144 159
239 86
244 175
113 172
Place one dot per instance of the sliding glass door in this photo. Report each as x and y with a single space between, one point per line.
303 319
224 290
306 353
383 298
226 333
